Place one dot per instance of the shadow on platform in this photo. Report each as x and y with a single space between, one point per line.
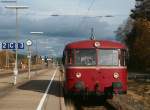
41 86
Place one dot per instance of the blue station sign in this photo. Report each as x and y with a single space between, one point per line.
20 45
12 45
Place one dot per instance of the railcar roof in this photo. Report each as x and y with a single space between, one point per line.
90 44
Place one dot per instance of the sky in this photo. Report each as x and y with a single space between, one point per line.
76 18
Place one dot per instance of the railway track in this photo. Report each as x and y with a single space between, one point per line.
6 74
90 104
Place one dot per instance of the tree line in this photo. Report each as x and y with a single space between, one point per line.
7 59
135 33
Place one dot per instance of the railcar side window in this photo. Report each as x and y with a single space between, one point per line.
85 57
123 58
70 56
108 57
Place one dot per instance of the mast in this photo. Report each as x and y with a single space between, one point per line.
92 34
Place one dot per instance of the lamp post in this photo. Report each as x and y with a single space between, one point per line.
9 1
17 35
52 52
36 33
7 59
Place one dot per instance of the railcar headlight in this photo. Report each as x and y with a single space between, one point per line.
116 75
97 44
78 75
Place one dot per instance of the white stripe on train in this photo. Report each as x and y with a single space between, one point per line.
96 67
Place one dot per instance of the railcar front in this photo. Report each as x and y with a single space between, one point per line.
95 67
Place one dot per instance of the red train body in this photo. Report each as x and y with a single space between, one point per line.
95 66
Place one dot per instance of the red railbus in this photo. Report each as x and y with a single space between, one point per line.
95 67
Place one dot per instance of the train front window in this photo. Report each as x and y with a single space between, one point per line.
108 57
85 57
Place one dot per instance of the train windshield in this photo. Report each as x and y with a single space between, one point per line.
108 57
85 57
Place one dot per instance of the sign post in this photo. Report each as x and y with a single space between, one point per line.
13 46
29 43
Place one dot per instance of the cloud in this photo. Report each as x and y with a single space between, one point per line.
67 26
57 30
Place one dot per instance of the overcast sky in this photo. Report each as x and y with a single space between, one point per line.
76 19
